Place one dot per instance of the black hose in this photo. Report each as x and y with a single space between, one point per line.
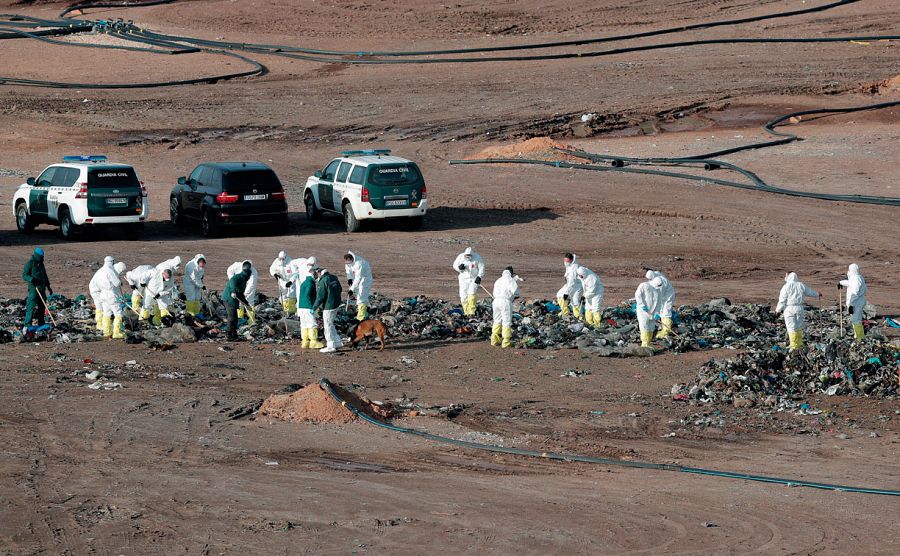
329 387
708 162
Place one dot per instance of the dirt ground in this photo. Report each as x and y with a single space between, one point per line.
158 467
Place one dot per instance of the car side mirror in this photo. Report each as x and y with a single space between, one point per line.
182 181
30 181
318 173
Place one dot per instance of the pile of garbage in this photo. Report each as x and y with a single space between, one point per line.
537 324
781 379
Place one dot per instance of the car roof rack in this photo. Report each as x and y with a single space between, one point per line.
85 158
367 152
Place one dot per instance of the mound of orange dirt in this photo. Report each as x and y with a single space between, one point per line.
314 405
540 148
885 86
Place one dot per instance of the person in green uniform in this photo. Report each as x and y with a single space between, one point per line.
35 275
233 296
328 299
309 329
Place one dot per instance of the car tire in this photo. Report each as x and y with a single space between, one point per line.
209 224
24 223
67 228
312 211
350 222
414 223
176 217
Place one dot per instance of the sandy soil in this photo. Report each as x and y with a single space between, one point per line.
158 467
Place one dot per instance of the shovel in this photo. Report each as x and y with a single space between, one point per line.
250 313
486 291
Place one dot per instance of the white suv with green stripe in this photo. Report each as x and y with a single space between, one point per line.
368 185
84 192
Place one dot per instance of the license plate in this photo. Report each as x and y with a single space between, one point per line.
117 201
397 203
255 197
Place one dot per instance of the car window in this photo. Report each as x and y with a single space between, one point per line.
330 170
195 175
394 174
65 177
206 178
112 178
46 178
343 171
357 175
251 181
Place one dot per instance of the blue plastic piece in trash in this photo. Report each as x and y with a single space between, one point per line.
776 347
875 361
891 322
552 307
456 311
38 328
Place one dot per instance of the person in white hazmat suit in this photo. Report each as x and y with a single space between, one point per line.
173 264
359 278
95 288
137 279
194 287
666 302
470 268
790 302
112 304
856 299
506 289
647 303
158 295
593 295
299 269
569 296
250 290
280 269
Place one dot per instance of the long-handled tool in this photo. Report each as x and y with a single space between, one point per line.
249 310
841 309
46 307
486 291
671 329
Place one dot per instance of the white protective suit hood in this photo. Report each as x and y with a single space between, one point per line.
120 267
656 282
791 277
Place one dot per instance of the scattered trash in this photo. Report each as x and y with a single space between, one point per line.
709 524
93 375
406 360
598 412
104 385
575 373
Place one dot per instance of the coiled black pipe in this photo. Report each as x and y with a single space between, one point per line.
329 388
707 161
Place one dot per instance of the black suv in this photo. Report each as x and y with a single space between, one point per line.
229 193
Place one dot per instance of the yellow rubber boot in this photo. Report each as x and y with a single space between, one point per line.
157 316
136 300
495 334
471 305
507 336
665 328
314 342
563 306
304 337
290 306
118 331
361 312
98 318
240 312
145 314
107 326
646 339
192 307
859 332
576 311
796 340
588 317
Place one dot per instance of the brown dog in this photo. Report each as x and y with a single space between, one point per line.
366 330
